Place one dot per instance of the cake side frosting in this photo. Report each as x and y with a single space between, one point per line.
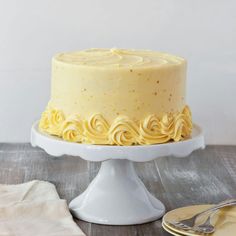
130 90
117 96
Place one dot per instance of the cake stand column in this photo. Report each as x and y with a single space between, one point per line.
117 196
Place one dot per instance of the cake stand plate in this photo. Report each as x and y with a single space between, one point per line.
116 196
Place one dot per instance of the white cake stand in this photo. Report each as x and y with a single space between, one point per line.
116 196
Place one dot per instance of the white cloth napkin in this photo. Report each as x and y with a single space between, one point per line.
34 209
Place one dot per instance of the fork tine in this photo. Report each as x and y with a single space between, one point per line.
178 224
183 225
200 230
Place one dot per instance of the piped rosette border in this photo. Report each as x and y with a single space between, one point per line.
123 131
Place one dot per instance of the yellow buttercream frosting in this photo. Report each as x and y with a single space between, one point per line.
113 58
73 129
96 130
124 131
118 97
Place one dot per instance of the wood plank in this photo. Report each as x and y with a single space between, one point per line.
199 178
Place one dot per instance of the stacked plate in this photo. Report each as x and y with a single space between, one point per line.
224 220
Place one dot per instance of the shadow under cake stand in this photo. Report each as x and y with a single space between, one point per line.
116 196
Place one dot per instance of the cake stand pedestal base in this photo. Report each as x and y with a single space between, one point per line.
117 197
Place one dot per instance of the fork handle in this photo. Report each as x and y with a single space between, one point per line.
230 202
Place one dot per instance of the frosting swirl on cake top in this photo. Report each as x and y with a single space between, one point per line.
118 58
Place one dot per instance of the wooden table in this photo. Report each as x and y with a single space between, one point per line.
206 176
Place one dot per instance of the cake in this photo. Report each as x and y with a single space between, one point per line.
117 97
